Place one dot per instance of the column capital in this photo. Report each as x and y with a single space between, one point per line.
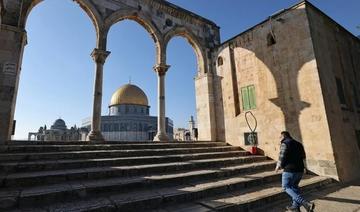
12 28
161 69
22 38
100 55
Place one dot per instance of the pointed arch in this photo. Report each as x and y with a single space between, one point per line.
85 5
144 20
193 41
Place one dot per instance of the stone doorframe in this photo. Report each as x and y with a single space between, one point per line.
160 18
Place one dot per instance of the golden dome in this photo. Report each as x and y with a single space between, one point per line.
129 94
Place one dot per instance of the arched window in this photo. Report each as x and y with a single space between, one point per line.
116 127
270 39
122 127
220 61
146 127
106 127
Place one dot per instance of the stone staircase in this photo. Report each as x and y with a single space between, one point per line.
146 176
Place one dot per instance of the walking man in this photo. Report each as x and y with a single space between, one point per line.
292 161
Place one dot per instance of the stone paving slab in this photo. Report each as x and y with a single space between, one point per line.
9 198
183 208
99 204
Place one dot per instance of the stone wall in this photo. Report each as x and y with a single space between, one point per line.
338 56
277 57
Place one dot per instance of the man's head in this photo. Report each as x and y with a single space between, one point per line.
285 134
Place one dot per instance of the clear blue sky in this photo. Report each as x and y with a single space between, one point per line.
58 72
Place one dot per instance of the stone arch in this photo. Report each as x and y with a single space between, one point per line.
142 19
88 7
193 41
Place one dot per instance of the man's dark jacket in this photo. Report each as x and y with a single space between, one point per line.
291 156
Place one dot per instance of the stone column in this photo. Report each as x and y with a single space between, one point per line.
161 129
12 43
205 107
99 57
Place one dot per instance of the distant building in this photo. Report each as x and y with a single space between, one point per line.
181 134
190 134
59 132
129 118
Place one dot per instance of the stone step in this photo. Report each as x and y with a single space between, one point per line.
155 197
145 176
110 153
90 147
250 199
78 190
51 177
16 142
45 165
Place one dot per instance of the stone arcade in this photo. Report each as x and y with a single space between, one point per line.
298 70
161 19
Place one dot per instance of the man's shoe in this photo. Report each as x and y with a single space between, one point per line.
309 206
293 208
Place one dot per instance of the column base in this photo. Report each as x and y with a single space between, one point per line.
160 136
95 136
